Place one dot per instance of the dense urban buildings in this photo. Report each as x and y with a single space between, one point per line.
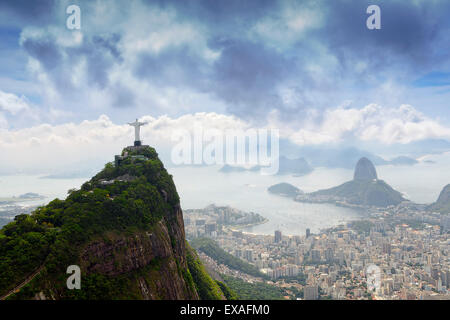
405 247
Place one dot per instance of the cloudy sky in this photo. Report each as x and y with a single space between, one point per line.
312 69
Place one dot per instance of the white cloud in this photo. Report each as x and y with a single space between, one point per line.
372 123
13 104
152 30
19 111
288 24
3 122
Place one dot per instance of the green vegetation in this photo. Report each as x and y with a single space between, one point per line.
300 278
229 294
101 287
24 244
206 287
213 250
254 291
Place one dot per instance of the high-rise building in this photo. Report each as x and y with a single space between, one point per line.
340 257
329 254
200 222
277 236
315 255
311 292
210 228
248 255
308 233
447 282
387 248
292 270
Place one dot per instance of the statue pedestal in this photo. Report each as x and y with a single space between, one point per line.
137 143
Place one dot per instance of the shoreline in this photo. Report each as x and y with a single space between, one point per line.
336 203
238 227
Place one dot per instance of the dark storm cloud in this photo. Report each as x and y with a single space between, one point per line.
123 97
26 12
229 13
100 52
246 75
45 51
409 35
108 42
175 67
51 57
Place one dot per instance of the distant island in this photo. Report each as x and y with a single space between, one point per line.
23 197
31 196
364 190
285 189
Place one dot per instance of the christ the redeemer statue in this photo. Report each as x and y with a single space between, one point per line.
137 128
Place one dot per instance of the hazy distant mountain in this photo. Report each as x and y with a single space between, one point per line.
402 161
285 189
416 149
69 175
287 166
294 166
227 169
327 156
443 202
338 157
364 189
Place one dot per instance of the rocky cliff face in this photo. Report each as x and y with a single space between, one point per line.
365 170
116 255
